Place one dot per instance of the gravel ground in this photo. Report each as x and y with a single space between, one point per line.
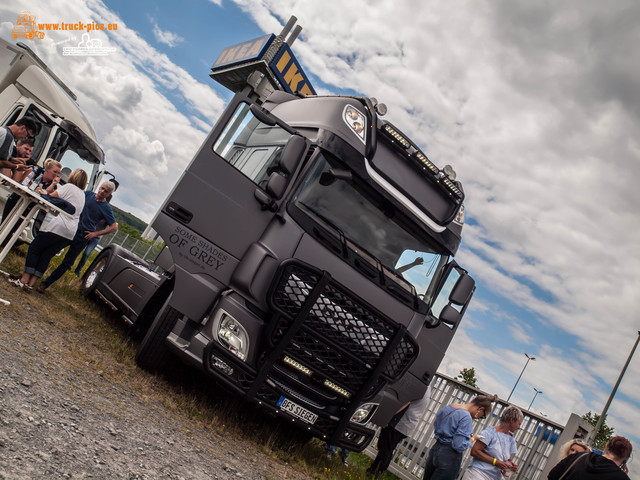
69 410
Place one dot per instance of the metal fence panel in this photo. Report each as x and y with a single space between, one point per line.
141 248
535 439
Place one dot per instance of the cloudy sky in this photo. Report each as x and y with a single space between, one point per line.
535 104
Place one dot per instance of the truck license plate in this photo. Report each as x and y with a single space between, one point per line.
296 410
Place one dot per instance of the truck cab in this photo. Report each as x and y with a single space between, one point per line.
308 264
29 88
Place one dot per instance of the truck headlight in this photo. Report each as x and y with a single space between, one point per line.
364 413
232 335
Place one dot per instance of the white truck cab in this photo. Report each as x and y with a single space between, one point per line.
29 88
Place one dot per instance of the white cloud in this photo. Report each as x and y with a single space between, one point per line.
168 38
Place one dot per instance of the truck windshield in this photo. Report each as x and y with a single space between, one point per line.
368 220
72 154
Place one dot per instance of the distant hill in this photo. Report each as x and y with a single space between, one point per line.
126 218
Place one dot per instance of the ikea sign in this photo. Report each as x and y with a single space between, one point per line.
243 52
289 72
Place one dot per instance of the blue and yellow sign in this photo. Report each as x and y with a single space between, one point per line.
243 52
289 72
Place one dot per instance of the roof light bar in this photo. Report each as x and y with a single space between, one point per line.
452 186
424 161
396 135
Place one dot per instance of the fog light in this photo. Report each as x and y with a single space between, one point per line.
336 388
232 335
297 365
218 363
364 413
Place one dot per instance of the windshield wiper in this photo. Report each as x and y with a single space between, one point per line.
367 263
337 231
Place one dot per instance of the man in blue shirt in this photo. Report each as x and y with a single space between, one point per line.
453 427
96 208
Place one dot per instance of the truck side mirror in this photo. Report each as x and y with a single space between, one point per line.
450 316
62 139
456 288
463 289
276 185
275 188
291 154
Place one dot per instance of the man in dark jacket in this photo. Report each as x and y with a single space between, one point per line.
592 466
21 130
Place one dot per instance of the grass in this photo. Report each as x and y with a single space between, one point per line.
182 390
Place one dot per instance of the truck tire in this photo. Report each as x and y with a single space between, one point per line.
151 309
94 273
153 352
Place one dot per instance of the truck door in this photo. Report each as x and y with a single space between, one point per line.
230 192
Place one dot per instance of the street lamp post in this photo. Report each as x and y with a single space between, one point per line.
600 421
534 397
525 366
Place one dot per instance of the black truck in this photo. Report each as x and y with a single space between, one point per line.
308 261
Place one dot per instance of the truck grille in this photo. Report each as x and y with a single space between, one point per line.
341 337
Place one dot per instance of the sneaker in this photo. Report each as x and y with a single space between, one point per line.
345 462
15 282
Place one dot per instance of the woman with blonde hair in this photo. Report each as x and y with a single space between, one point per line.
55 233
495 447
50 176
574 446
611 465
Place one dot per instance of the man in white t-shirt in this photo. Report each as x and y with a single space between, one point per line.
392 434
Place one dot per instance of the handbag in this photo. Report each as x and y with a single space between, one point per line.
572 464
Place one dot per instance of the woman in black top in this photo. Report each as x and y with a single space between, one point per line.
592 466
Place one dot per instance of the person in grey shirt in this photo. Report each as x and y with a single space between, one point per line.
393 433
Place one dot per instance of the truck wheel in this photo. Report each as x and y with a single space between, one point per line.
94 273
153 352
151 309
